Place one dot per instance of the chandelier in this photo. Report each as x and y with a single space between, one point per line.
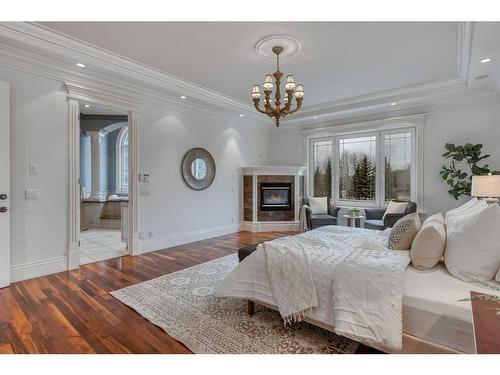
278 110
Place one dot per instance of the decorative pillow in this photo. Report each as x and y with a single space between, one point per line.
473 243
319 206
497 278
403 232
462 208
428 245
395 208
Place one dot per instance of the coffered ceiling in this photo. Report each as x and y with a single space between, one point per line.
337 60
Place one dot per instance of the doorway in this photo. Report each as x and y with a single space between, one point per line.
104 182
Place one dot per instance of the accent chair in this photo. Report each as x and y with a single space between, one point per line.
374 217
319 220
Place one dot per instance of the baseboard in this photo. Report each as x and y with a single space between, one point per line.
37 269
270 226
184 238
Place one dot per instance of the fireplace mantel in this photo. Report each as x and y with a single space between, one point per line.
274 170
254 217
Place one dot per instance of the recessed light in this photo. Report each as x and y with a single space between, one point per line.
80 65
393 103
485 60
87 105
315 117
182 97
242 115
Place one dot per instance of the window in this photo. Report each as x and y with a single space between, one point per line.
397 165
367 167
357 168
122 161
322 168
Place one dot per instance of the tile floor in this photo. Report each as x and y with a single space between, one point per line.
101 244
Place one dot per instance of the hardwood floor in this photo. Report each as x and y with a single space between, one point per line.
73 312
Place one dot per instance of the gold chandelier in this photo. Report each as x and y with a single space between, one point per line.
278 110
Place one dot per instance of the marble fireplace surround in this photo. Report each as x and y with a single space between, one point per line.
253 218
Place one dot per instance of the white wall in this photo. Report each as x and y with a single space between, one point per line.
38 135
477 122
167 207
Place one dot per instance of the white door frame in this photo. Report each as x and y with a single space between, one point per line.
77 94
5 184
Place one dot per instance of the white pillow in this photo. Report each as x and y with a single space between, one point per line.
395 208
473 243
462 208
319 206
428 245
498 276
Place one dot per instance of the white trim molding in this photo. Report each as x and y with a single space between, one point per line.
133 180
41 268
270 226
379 126
74 183
184 238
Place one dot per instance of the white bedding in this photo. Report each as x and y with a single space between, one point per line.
358 282
432 309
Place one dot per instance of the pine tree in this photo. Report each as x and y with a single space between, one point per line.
328 179
364 179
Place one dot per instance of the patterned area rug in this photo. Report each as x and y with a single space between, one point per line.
183 305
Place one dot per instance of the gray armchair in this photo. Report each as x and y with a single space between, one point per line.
374 217
315 221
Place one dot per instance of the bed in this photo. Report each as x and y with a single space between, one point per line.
426 313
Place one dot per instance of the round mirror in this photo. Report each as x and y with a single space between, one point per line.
199 169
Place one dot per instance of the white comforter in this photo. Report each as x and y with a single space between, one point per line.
358 282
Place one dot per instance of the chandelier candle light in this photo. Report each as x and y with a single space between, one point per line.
278 110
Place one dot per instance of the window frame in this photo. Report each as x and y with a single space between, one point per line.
120 188
379 128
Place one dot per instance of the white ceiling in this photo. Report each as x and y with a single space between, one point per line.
337 60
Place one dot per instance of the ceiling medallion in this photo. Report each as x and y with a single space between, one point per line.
278 110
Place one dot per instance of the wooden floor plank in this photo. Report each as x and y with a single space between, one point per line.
73 312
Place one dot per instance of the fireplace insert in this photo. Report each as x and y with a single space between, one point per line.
275 196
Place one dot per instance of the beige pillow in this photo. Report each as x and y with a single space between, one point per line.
403 232
461 209
428 245
395 208
497 278
319 206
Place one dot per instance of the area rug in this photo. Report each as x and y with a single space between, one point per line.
183 305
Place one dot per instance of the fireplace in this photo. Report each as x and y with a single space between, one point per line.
275 196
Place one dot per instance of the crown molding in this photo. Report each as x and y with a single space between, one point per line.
36 49
406 97
93 56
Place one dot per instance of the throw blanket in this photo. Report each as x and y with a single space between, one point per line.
357 281
290 277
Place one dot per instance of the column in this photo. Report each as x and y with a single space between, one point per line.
96 139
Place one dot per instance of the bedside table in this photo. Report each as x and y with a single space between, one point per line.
486 319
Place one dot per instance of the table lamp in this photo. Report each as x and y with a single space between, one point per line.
487 187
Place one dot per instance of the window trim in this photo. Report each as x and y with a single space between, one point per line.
380 127
120 189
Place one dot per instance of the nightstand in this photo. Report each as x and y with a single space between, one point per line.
486 319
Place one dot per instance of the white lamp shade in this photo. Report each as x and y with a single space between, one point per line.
256 91
268 82
486 186
290 83
299 92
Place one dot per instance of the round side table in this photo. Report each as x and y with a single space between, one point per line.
354 221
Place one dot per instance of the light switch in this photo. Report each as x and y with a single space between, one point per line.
34 169
145 177
31 194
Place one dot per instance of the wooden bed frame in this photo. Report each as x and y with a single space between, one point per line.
411 344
